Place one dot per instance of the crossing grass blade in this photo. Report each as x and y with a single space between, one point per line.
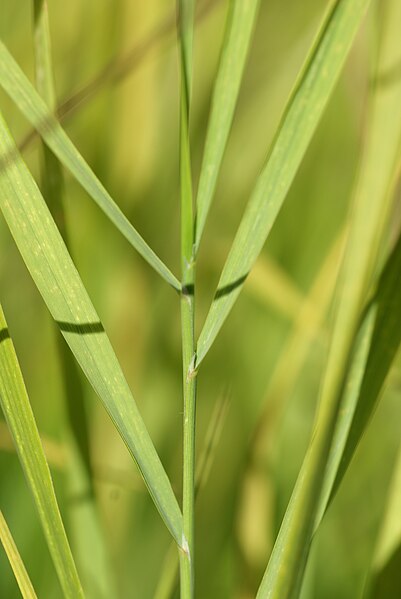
369 219
301 116
20 573
54 273
21 423
17 86
237 38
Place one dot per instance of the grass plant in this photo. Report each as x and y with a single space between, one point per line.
306 353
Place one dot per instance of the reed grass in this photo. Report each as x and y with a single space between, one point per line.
348 320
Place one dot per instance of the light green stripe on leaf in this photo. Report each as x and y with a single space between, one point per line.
237 37
58 281
305 107
22 92
21 423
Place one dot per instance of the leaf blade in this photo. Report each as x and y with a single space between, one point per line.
58 281
237 38
380 340
24 95
380 331
21 423
369 218
300 119
20 573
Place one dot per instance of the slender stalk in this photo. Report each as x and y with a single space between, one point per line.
185 24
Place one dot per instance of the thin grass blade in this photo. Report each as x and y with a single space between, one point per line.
21 423
305 107
58 281
369 219
20 573
17 86
237 38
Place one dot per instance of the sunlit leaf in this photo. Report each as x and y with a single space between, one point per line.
58 281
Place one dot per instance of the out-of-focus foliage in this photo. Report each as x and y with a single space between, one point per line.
128 132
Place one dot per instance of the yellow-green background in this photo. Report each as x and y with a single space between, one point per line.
128 132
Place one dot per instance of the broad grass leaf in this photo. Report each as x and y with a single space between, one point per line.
58 281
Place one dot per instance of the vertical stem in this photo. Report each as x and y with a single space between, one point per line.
185 24
189 387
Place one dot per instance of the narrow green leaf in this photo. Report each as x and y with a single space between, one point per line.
20 573
237 38
21 423
21 91
58 281
305 107
369 219
185 29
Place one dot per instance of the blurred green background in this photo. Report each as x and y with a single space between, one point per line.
128 132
